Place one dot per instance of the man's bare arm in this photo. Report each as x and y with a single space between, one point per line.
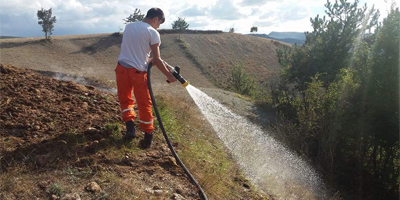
159 63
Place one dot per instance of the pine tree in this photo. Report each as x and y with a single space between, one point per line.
136 16
46 21
180 25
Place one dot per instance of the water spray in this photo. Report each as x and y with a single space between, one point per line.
176 72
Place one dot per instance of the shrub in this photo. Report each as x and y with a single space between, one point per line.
241 82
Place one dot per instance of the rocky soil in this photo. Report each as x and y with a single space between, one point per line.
61 140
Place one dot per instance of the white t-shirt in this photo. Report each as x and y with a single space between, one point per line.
135 47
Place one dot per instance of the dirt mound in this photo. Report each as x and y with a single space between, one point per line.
58 136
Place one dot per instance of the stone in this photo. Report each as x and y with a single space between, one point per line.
73 196
149 190
172 161
179 191
85 105
93 187
177 196
158 192
156 187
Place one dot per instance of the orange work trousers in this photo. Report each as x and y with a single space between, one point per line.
131 80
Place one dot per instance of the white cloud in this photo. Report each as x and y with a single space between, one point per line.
193 11
295 13
263 23
254 2
18 17
226 10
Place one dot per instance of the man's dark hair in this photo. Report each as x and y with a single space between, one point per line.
155 12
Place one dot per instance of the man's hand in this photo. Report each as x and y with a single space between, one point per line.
171 78
150 60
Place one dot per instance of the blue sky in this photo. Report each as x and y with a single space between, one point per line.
18 17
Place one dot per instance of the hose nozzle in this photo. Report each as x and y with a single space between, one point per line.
177 75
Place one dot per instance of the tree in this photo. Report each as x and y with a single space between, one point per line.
46 21
231 30
180 25
136 16
345 105
382 102
241 80
253 29
331 44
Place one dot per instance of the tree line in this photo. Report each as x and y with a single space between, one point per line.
339 99
47 21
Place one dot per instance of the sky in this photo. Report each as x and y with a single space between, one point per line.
18 17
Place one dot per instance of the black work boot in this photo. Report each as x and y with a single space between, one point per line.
130 131
147 140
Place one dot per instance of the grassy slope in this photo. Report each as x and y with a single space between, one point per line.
96 55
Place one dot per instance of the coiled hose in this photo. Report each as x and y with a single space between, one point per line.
201 192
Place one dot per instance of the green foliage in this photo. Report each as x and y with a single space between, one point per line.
180 25
382 103
330 46
241 81
114 128
56 189
339 97
46 21
136 16
253 29
231 30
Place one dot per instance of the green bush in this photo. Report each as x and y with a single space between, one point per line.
241 82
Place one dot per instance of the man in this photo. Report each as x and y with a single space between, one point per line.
139 39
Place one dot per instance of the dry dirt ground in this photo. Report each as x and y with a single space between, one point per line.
52 148
49 139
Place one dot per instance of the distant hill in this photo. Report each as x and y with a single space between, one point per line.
288 35
286 40
7 37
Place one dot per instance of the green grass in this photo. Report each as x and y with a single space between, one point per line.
201 151
72 138
56 189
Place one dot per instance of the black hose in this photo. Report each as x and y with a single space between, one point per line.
201 192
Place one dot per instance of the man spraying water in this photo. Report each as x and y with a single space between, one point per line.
133 74
139 39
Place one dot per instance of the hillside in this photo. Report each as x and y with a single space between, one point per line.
206 61
96 55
